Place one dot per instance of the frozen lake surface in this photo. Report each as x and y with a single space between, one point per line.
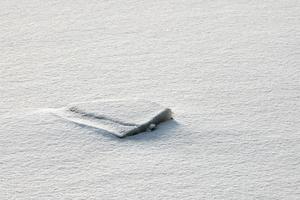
229 70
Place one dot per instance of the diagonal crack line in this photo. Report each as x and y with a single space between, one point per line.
78 111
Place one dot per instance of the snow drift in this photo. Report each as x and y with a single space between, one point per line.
119 117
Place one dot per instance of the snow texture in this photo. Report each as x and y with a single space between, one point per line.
119 117
229 70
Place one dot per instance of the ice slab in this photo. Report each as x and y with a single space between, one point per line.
119 117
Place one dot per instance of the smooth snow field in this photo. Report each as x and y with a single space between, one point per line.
229 70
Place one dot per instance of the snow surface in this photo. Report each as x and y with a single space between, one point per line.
119 117
228 69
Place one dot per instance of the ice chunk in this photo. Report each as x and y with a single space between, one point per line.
119 117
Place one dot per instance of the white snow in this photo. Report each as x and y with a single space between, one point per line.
119 117
229 70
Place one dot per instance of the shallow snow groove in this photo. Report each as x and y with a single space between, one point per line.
119 117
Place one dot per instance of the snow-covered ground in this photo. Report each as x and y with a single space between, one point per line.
230 71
